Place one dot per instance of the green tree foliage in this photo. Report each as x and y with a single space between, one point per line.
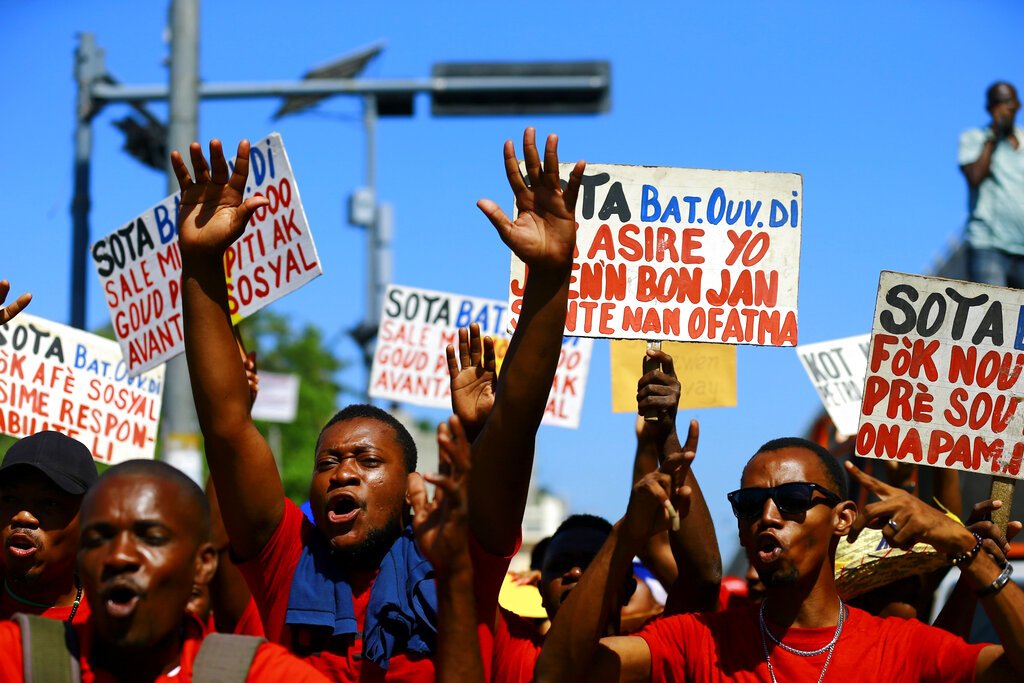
282 347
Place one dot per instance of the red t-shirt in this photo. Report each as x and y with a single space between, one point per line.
9 605
269 576
517 644
271 664
249 623
726 646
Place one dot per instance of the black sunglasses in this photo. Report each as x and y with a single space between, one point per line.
791 499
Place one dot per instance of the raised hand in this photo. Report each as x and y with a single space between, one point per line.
474 384
659 499
543 235
212 214
6 314
441 525
906 520
994 542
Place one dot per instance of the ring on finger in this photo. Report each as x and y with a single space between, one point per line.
892 525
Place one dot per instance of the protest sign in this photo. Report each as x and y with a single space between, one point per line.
836 369
139 265
944 383
278 398
409 363
57 377
706 373
684 254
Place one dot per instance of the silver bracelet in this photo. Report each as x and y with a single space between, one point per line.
998 584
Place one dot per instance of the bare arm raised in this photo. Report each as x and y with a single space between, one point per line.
544 237
211 217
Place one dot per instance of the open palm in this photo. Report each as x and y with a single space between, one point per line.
212 214
543 235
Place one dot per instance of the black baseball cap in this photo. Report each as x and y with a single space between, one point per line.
65 461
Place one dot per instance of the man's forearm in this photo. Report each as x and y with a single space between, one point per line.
583 619
699 562
1005 609
978 170
458 659
503 453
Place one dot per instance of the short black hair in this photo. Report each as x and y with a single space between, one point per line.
537 554
990 94
190 492
356 411
584 522
833 470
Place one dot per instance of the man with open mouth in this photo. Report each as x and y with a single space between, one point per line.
42 480
144 545
791 510
351 592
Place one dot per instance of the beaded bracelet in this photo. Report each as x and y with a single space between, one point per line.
998 584
964 558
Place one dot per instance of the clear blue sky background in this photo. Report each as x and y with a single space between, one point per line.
864 99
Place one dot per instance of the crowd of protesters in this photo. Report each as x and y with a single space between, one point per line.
138 575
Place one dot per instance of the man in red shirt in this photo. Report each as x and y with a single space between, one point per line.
364 456
42 480
144 544
791 511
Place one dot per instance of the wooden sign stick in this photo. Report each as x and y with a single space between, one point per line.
651 364
1002 489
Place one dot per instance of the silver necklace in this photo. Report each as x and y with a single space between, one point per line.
830 648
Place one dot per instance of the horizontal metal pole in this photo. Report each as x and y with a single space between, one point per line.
139 93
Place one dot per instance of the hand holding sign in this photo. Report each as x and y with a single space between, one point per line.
212 214
474 385
657 394
14 309
906 520
543 235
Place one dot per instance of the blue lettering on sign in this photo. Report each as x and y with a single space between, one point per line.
80 356
258 166
650 208
1018 340
166 227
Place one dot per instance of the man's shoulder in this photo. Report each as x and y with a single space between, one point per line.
273 662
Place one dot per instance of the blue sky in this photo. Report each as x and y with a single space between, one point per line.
865 100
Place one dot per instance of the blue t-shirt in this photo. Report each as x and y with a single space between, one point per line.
996 206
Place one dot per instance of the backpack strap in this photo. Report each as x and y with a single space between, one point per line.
48 649
225 658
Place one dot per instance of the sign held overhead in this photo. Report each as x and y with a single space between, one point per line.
682 254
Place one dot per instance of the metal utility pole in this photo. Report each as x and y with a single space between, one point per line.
89 68
180 423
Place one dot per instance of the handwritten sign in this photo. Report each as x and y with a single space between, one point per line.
706 373
409 364
944 378
60 378
837 370
139 264
684 254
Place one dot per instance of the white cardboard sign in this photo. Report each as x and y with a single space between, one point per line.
278 397
60 378
945 381
836 369
684 254
139 264
409 363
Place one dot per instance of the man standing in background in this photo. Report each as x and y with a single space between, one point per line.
992 160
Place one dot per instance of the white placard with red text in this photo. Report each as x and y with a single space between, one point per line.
945 382
60 378
139 264
409 363
683 254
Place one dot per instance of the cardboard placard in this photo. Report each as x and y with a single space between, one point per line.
139 265
684 254
57 377
836 369
706 373
409 363
944 380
